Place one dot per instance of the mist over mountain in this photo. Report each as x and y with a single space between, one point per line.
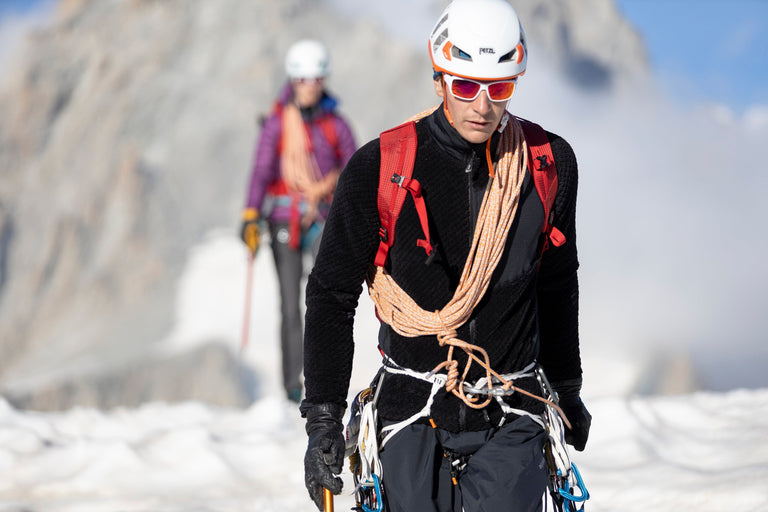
126 134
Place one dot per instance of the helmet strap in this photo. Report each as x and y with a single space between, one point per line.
488 159
445 103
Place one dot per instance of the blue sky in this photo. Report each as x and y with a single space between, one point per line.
701 50
19 5
706 50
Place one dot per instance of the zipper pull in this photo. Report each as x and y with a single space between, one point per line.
472 164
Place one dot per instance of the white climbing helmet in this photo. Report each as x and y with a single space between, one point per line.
307 58
479 39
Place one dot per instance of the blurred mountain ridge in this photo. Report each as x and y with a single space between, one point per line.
126 133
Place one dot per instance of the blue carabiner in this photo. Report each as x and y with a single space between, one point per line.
569 497
377 491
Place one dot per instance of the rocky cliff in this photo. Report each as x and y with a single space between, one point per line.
126 132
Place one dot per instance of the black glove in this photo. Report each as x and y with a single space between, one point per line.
325 450
575 411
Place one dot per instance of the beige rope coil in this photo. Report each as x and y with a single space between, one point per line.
298 165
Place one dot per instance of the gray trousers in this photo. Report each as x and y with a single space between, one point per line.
505 469
289 263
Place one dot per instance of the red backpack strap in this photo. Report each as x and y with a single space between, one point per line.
541 164
398 155
277 110
327 124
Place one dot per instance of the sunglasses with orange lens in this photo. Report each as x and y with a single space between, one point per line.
467 90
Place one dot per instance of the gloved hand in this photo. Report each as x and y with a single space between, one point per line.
325 449
250 229
575 411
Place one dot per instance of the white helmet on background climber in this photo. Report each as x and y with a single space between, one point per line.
307 58
479 39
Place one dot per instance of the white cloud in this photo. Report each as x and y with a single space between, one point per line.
756 118
669 219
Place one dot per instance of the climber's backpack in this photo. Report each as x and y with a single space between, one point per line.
398 154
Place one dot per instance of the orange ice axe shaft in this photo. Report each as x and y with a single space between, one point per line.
328 500
247 313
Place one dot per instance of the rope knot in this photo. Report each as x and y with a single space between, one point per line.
447 337
452 378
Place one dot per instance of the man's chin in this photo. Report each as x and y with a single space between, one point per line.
475 136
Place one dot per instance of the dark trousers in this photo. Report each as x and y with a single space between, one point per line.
505 470
289 263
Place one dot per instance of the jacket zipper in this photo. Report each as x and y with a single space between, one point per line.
471 196
468 171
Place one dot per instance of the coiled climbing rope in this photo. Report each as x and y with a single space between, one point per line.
498 209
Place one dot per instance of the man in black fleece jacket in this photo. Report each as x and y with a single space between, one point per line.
528 313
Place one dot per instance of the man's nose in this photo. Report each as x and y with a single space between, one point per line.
483 102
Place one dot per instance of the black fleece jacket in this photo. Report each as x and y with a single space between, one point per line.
529 312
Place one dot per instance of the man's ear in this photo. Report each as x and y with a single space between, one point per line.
438 83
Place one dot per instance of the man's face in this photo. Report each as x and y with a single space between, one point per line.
307 91
475 120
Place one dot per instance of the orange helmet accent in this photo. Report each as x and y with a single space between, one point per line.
447 50
520 54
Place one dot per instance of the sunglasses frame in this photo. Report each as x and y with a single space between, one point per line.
448 79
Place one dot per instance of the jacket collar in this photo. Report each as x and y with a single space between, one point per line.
452 142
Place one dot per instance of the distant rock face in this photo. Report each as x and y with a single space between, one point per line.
126 133
208 373
589 40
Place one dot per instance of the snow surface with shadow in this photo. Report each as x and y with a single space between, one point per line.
705 452
700 451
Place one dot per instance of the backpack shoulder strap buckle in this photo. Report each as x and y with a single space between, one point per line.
541 164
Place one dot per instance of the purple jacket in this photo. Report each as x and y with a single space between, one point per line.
266 162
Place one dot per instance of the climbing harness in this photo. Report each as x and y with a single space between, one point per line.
364 438
566 487
497 391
